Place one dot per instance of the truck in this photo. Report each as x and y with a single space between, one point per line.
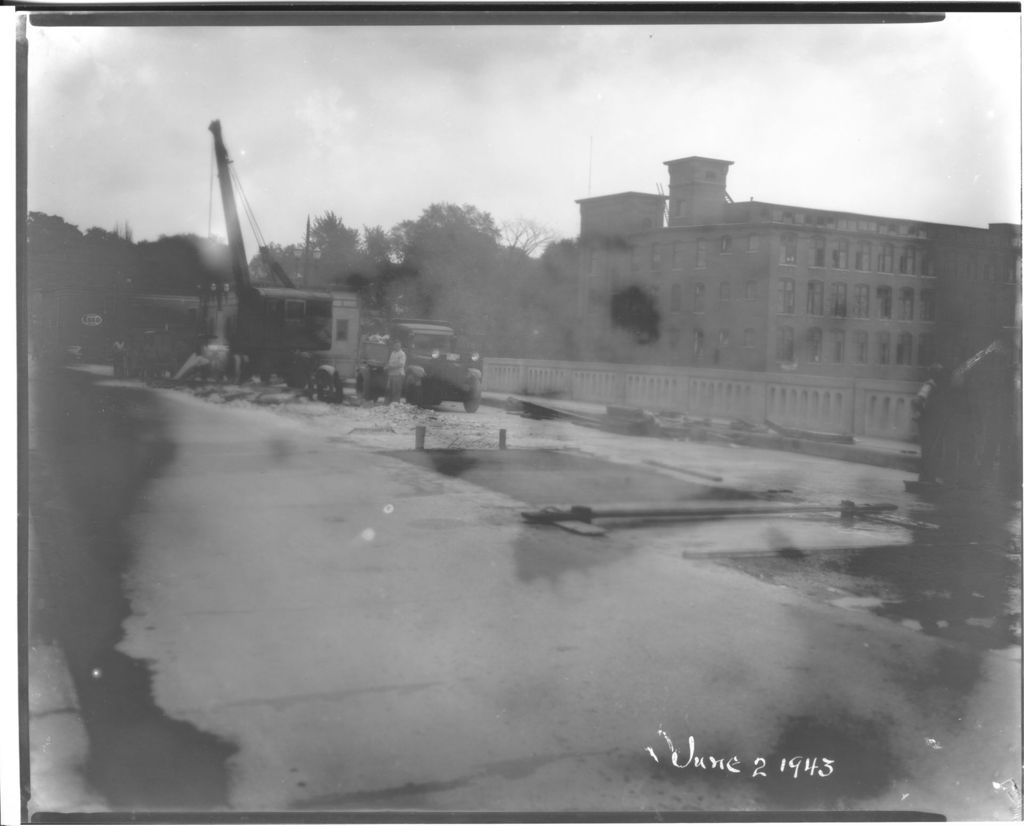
438 368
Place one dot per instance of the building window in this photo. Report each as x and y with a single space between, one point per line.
698 297
788 249
724 291
787 296
748 337
726 243
818 252
784 344
860 346
861 301
883 348
698 344
837 306
815 298
634 259
750 290
884 296
675 299
927 305
908 260
841 254
925 349
838 346
752 243
341 329
904 348
926 265
677 255
906 305
724 338
814 345
885 258
702 253
655 259
862 257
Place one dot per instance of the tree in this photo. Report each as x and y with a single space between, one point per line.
182 264
526 236
450 256
335 249
634 310
289 259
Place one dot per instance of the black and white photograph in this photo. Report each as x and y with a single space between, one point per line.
517 414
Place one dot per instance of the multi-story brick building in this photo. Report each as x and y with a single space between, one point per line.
768 287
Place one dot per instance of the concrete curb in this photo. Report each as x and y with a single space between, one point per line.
857 453
58 741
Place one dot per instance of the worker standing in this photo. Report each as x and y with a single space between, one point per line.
395 371
120 359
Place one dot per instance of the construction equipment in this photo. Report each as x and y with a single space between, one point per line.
308 337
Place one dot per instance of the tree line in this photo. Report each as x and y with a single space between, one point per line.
509 288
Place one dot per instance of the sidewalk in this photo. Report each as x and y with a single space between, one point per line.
865 450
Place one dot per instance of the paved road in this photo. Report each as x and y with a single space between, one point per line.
341 630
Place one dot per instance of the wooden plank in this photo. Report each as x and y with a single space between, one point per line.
693 509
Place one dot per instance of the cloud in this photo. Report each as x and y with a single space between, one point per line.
377 122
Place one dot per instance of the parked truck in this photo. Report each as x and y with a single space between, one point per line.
437 367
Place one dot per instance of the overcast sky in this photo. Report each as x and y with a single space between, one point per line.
376 123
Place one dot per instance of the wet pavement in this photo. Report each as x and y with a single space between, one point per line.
428 651
958 578
93 452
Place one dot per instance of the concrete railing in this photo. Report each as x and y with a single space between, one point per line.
861 407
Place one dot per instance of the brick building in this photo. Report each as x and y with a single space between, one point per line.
768 287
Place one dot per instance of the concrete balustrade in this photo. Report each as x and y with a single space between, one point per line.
862 407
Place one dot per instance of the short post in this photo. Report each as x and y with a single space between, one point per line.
421 435
501 439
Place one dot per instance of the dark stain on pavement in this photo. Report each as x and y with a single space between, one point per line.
452 462
546 552
96 450
862 763
416 795
544 477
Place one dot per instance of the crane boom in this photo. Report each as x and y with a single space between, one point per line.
239 264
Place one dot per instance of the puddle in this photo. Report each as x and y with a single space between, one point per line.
98 447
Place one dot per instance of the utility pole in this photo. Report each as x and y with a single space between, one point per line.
305 255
